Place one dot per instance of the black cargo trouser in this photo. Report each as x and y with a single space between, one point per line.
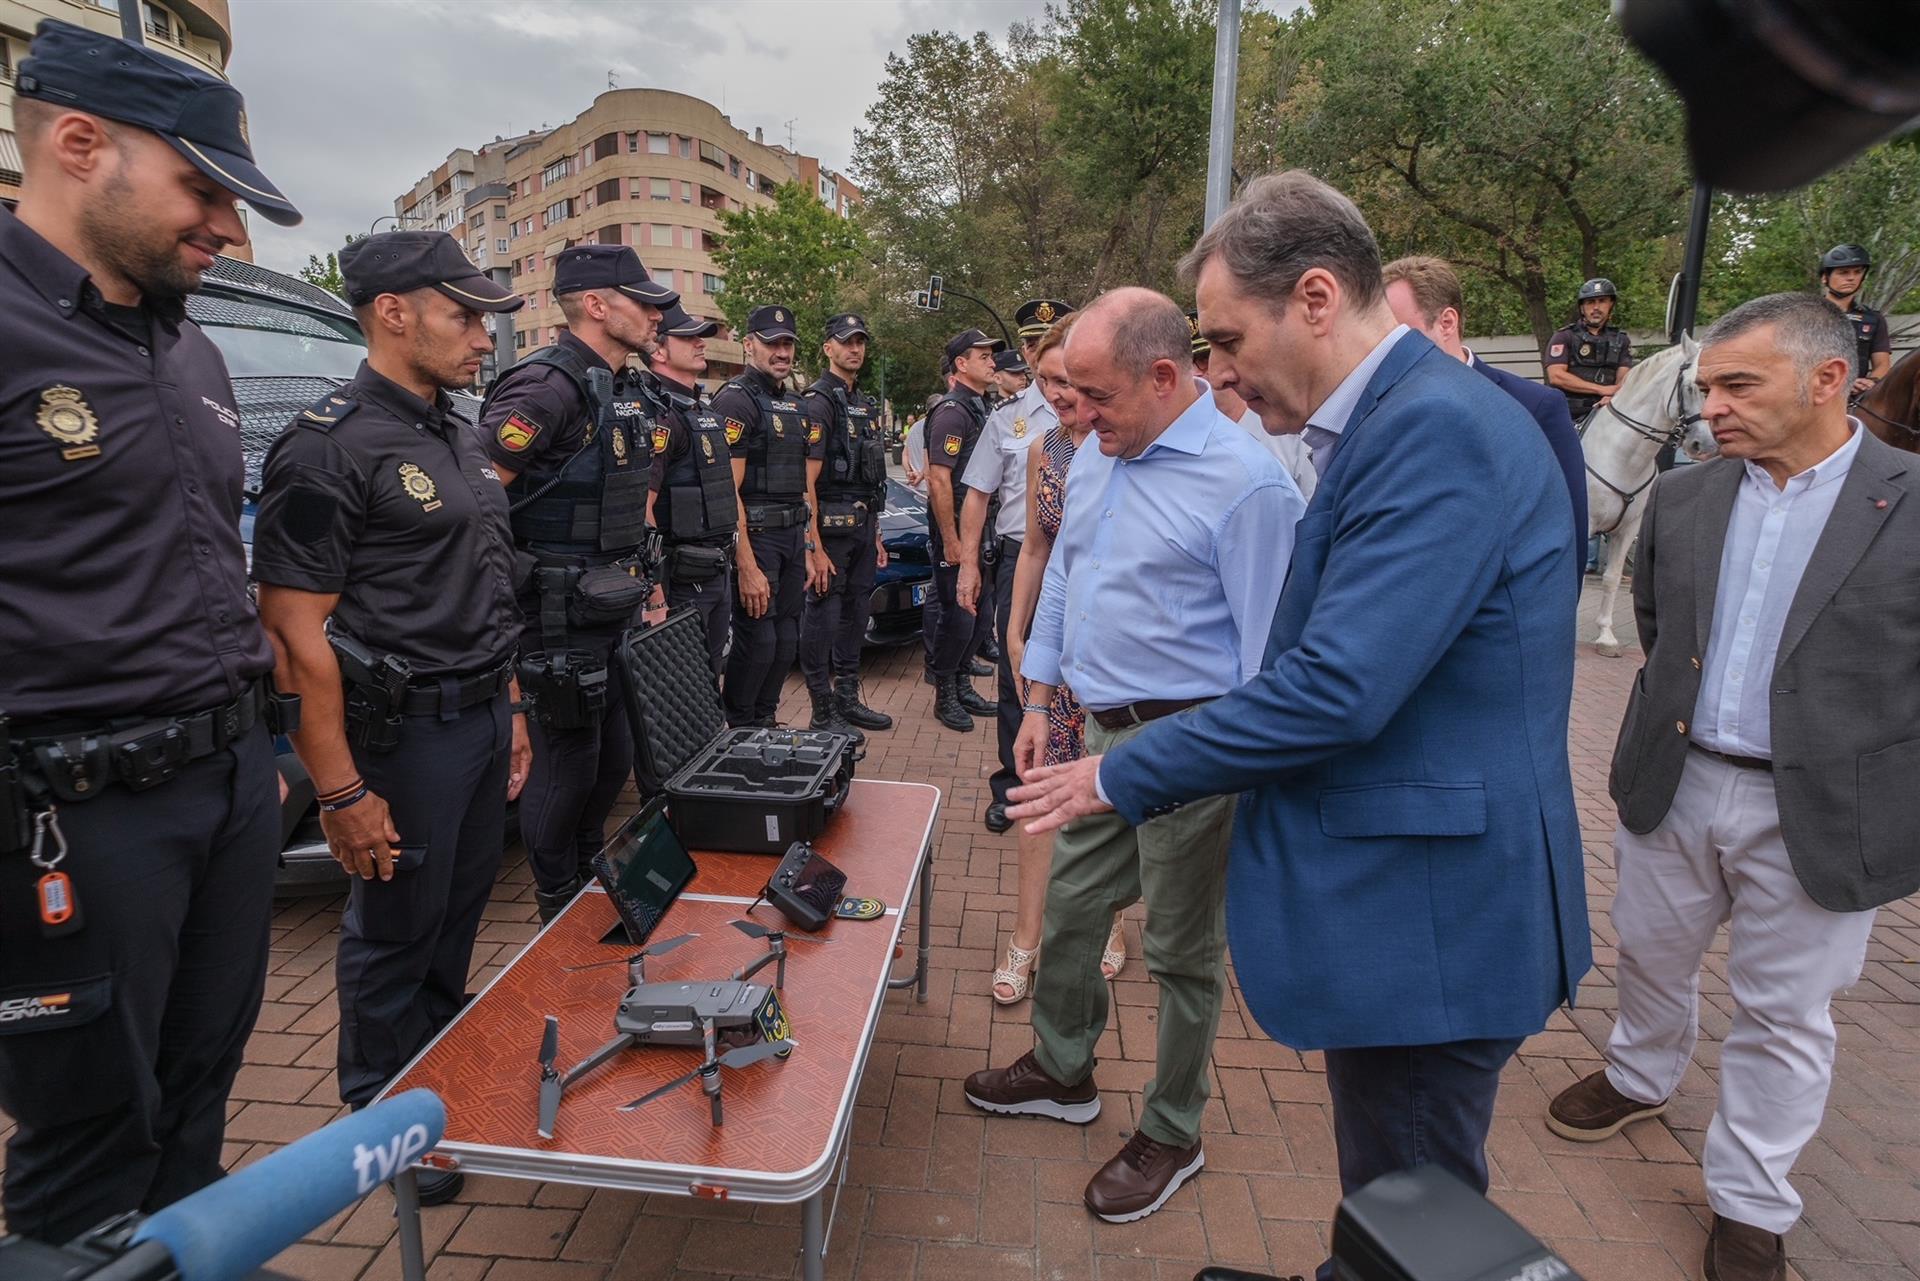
1008 712
835 624
983 617
576 778
119 1091
763 647
406 944
951 627
713 601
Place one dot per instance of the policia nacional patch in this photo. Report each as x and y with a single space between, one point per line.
952 445
516 433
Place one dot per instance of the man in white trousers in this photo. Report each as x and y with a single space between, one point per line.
1766 768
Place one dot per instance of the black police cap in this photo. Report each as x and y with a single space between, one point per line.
846 325
770 324
1009 362
1037 316
676 323
966 340
1200 345
608 267
399 262
199 115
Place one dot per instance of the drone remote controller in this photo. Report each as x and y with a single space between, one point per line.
805 887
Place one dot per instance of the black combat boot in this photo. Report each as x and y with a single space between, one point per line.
846 691
946 704
972 700
826 716
974 667
551 903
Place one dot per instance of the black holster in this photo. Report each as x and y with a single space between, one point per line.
697 562
568 687
376 685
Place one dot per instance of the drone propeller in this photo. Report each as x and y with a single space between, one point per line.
658 949
550 1084
745 1056
755 930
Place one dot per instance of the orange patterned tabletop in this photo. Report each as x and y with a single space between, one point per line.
785 1120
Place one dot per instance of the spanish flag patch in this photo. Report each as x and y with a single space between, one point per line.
516 433
660 439
813 432
735 430
952 446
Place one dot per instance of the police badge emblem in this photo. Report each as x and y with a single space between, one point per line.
706 448
779 427
618 436
419 487
1586 349
1044 313
1019 429
66 416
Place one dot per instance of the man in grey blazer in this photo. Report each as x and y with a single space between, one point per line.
1768 768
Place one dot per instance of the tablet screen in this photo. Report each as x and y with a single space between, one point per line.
649 862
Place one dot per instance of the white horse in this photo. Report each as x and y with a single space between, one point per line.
1659 406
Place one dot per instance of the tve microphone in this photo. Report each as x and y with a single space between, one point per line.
229 1228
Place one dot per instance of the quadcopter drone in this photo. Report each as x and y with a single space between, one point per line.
736 1023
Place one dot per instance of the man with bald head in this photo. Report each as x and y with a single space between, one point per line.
1157 598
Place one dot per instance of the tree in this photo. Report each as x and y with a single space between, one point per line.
1523 139
325 272
795 252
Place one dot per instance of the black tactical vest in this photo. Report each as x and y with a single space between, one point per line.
1864 321
696 499
1597 357
976 419
855 468
595 499
777 454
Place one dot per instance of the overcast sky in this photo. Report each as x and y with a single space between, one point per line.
350 101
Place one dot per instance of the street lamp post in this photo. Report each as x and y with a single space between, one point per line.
1226 80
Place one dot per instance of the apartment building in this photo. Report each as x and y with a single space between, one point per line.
195 31
649 168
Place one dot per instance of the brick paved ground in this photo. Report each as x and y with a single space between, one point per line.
938 1191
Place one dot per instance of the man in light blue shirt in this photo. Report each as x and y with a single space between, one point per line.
1158 596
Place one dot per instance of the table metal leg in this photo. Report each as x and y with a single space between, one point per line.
406 1197
926 931
813 1237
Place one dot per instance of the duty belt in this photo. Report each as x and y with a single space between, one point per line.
775 515
76 766
454 693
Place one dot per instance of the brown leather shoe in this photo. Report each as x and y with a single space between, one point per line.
1025 1089
1740 1252
1590 1110
1140 1179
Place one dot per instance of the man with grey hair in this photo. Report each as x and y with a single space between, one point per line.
1766 764
1157 598
1405 887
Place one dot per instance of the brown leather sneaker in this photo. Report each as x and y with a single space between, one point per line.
1140 1179
1740 1252
1590 1110
1025 1089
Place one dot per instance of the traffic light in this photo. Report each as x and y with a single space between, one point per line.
923 300
936 290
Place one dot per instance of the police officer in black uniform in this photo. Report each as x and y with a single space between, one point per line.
692 502
139 814
852 492
567 429
386 584
1588 360
767 432
953 428
1843 269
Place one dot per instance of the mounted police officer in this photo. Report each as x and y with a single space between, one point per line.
778 554
693 503
386 575
1843 269
567 429
1588 360
139 816
852 491
953 429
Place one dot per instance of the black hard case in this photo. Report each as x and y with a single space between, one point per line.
753 791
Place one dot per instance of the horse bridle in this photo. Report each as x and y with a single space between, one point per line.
1664 439
1860 406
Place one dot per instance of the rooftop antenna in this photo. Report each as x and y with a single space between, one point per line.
790 125
611 83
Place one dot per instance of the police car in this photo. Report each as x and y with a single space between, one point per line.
900 589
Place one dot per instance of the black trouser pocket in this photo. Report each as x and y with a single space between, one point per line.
389 911
64 1051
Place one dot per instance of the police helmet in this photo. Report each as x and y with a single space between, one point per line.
1844 256
1598 287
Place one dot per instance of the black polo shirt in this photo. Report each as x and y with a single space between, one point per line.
536 413
396 509
953 429
123 584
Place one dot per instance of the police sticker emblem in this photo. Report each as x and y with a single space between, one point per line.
65 416
419 487
660 437
517 433
952 446
1019 429
735 430
1558 349
619 440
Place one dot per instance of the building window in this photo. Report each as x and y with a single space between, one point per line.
660 188
659 144
607 191
750 181
686 193
733 165
607 144
519 340
499 211
556 171
711 283
610 234
713 155
661 236
686 148
500 246
560 211
478 221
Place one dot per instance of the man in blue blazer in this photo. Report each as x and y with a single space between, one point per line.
1424 294
1405 887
